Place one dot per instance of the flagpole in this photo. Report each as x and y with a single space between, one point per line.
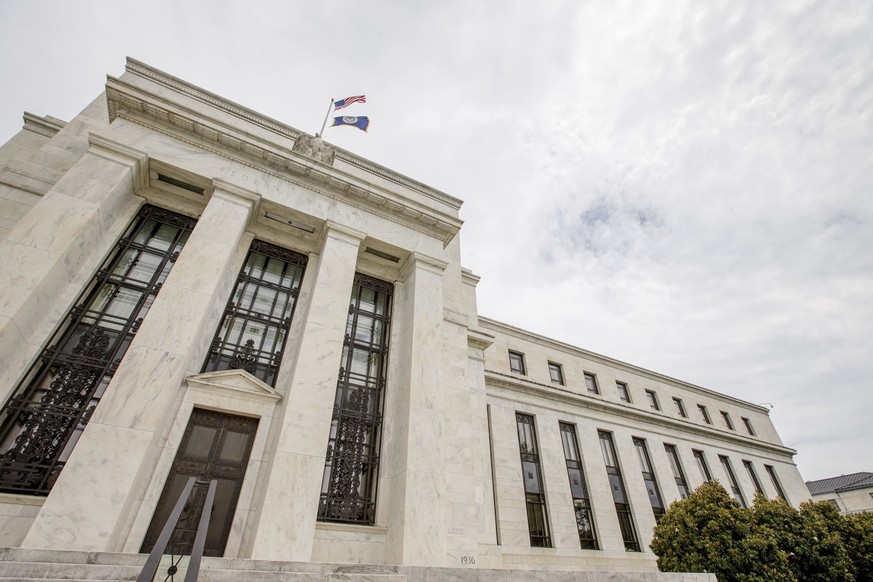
329 107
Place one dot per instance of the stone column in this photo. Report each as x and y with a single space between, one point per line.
94 501
43 258
413 465
289 501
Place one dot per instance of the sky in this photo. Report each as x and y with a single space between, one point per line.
685 186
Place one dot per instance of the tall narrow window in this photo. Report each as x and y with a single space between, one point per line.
252 334
43 420
727 420
348 489
704 414
556 373
623 392
678 473
735 486
653 400
516 362
578 488
591 383
619 496
534 490
649 478
772 472
680 408
701 464
748 425
754 477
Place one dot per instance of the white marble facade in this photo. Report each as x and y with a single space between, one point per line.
450 490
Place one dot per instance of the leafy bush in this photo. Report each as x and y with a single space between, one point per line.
771 541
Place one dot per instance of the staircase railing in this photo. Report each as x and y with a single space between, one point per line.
154 560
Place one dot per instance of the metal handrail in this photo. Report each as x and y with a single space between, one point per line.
151 566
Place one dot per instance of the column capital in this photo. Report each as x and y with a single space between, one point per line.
239 196
114 151
342 232
418 260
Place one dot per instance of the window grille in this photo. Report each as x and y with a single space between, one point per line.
348 490
255 326
49 409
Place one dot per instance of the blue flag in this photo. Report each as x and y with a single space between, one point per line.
360 122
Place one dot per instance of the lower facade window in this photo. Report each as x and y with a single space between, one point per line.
578 487
534 490
619 495
676 467
732 479
49 409
702 466
771 471
649 479
351 470
753 475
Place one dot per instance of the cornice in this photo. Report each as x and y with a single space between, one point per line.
613 363
47 126
157 76
501 381
138 106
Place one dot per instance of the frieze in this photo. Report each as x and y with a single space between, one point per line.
135 110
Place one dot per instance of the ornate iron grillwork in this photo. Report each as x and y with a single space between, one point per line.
534 488
252 334
49 409
348 491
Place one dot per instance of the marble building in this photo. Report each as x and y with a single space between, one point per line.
191 288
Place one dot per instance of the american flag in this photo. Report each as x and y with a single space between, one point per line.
337 105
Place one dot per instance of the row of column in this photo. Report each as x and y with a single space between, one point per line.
92 505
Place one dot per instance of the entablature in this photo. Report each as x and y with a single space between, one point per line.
241 142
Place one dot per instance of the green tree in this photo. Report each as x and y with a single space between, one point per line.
709 532
857 536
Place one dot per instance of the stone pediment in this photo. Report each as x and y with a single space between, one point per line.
234 383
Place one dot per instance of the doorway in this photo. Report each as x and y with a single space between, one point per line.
214 446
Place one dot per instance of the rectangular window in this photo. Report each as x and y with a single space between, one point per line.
701 464
351 470
534 489
49 409
649 478
619 496
591 383
748 424
653 400
727 420
556 373
732 479
516 363
252 333
754 477
772 472
704 413
676 467
578 487
680 408
623 392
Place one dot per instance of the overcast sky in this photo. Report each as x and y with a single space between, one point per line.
685 186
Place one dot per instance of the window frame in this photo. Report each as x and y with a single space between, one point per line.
522 367
593 387
702 464
748 424
680 407
581 503
535 500
619 492
556 369
678 471
654 403
623 392
704 412
729 423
